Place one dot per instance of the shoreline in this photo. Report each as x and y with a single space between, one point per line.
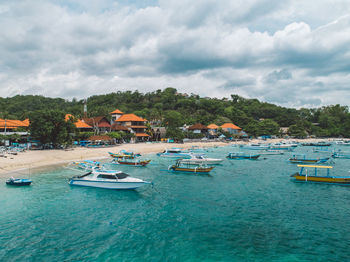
37 160
26 162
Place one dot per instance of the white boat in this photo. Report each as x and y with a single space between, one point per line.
175 152
198 159
109 179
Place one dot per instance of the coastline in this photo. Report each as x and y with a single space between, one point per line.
36 160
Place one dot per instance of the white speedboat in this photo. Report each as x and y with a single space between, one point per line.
200 159
109 179
174 153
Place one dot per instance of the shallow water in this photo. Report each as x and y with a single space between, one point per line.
245 210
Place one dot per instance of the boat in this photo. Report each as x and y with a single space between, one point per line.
86 164
130 162
180 166
272 152
316 144
341 154
304 175
280 146
242 155
343 142
300 158
119 155
18 181
197 159
174 153
256 146
109 179
129 153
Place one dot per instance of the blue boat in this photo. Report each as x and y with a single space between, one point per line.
242 155
341 154
301 158
18 182
174 153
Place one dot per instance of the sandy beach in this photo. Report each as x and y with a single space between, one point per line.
33 159
27 162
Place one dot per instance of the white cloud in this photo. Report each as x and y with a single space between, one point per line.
270 50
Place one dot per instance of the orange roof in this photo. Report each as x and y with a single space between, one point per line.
78 123
26 121
230 125
12 123
129 118
141 134
117 111
213 126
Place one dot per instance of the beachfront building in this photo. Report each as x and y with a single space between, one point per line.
198 129
9 127
213 130
133 123
79 124
100 124
231 128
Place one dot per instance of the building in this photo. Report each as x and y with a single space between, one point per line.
213 129
133 123
231 128
100 124
198 129
9 126
82 126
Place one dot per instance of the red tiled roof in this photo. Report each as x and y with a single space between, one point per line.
117 111
138 126
141 134
103 138
117 127
213 126
104 124
197 127
93 121
230 125
130 118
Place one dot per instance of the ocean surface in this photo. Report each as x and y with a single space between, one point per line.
245 210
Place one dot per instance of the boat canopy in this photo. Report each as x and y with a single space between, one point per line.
315 166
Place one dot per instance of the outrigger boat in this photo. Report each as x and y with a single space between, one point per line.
174 153
300 158
304 176
18 181
341 154
316 144
86 164
109 179
183 167
118 155
129 153
242 155
129 162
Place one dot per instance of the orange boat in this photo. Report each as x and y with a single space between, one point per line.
131 163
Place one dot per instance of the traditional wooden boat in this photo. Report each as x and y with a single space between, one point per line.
300 158
341 154
130 162
183 167
242 155
174 153
118 155
304 175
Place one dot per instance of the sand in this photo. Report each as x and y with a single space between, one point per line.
27 162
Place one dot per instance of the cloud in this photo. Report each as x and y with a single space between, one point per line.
268 50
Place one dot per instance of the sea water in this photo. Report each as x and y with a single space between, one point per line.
245 210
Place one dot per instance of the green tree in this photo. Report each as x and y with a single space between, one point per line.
268 127
50 127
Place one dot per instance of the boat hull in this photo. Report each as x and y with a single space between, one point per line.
308 161
317 179
192 170
24 183
200 162
106 184
140 164
253 157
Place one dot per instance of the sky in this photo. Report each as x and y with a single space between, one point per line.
291 53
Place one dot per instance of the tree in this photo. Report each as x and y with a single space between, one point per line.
50 127
297 131
173 119
268 127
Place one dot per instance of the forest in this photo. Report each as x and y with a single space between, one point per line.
169 107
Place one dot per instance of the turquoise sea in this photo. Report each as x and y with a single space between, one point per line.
244 211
